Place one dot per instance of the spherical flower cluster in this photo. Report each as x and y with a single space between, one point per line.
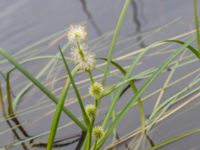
80 55
97 132
90 110
85 63
76 32
96 90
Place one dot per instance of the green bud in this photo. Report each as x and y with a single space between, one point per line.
97 132
96 90
90 110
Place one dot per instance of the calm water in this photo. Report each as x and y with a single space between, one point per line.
24 22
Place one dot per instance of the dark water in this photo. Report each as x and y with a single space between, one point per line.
24 22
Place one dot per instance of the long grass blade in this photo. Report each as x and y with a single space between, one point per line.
115 37
175 138
39 85
86 119
135 90
57 114
191 48
21 93
197 22
2 101
142 90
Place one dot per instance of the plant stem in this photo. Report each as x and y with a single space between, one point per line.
92 122
2 101
90 136
167 81
175 138
80 51
129 105
41 73
140 105
85 117
115 37
95 145
142 112
40 86
58 112
91 76
197 22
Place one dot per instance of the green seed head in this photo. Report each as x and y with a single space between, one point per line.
97 132
90 110
96 90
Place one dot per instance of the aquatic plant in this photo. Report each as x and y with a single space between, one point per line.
94 131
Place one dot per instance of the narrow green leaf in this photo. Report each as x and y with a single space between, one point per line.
197 22
9 96
175 138
39 85
192 49
124 111
85 117
115 37
127 76
2 101
29 85
119 67
135 90
57 114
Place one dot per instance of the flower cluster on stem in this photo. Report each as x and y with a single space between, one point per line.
85 60
80 54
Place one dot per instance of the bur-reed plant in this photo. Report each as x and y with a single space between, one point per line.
96 132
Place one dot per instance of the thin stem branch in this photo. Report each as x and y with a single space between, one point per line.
197 22
115 37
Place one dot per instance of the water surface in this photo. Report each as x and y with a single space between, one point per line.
25 22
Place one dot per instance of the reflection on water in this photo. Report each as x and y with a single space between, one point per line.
89 16
136 7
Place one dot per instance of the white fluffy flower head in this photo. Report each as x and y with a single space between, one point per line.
76 32
86 63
